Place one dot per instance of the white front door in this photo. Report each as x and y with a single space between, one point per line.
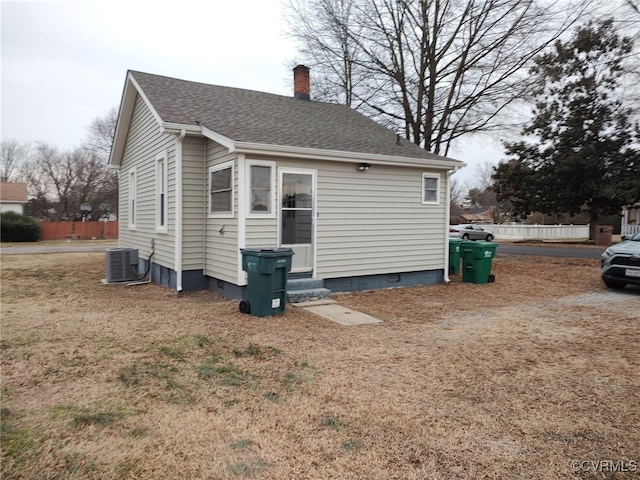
297 216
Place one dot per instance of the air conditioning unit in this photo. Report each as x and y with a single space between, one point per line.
122 265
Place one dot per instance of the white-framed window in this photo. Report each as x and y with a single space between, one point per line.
133 198
221 190
261 180
162 202
430 189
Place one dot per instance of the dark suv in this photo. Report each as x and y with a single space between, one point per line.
621 263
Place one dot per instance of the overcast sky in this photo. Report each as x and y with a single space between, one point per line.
64 62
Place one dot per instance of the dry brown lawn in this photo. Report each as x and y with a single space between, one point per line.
511 380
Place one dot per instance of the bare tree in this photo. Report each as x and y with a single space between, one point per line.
436 69
54 172
100 134
15 156
456 196
99 140
59 182
484 175
634 5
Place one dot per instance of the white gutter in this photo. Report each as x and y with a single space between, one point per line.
284 151
342 156
242 220
447 214
178 222
178 128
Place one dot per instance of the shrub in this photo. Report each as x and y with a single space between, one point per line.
18 228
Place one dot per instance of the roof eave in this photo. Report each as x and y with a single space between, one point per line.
127 104
344 156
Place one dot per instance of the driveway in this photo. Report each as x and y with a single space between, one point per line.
574 252
56 248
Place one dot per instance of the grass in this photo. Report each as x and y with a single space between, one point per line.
83 417
512 380
247 468
230 375
256 351
332 422
138 374
17 443
176 353
242 444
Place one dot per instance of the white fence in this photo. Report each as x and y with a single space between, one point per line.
539 232
630 229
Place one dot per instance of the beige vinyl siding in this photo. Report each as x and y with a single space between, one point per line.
144 142
374 222
262 232
193 203
221 250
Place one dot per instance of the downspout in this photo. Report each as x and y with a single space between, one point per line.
205 210
447 214
178 225
242 221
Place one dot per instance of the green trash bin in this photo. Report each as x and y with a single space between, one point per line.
477 258
267 270
454 256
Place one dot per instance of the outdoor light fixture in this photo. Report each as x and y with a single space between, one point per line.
363 167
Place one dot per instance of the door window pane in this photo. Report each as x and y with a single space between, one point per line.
296 226
297 190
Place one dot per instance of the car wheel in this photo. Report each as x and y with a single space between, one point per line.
489 238
613 284
465 236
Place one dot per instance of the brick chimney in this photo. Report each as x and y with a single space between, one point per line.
301 83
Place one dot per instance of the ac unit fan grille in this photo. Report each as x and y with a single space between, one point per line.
121 264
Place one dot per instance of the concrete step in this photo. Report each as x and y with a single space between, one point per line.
314 303
307 295
294 284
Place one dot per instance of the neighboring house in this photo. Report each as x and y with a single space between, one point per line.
13 196
630 224
207 170
484 216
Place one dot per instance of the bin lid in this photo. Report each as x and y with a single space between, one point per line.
488 244
478 244
267 249
259 250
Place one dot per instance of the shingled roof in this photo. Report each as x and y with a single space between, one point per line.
264 118
13 192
